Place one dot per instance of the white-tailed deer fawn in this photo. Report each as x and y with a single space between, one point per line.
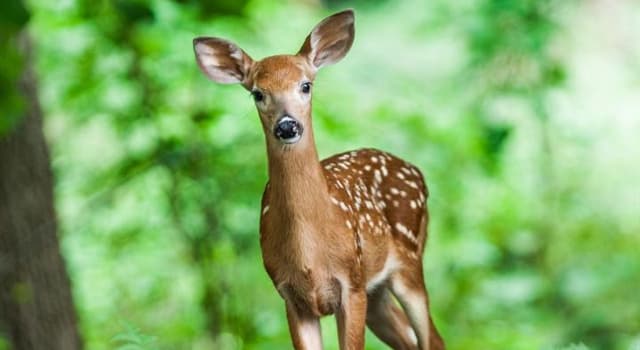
338 236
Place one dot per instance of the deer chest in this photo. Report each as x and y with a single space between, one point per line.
313 291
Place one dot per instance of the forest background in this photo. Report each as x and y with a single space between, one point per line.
523 115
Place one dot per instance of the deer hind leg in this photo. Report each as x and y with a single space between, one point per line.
410 291
388 322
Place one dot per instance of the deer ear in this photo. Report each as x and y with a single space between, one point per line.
221 60
330 40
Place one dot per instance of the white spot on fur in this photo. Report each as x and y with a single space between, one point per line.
378 177
265 209
405 232
384 170
374 159
412 184
400 175
348 192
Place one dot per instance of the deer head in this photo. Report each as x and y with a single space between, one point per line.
281 85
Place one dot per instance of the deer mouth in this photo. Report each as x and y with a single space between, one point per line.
288 130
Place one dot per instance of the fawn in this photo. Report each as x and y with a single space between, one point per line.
338 236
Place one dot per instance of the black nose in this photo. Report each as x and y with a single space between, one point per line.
288 129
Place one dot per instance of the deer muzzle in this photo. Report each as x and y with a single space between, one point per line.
288 130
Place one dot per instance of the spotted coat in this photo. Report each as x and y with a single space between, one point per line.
381 195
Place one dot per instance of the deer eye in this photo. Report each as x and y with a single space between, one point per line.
257 95
306 87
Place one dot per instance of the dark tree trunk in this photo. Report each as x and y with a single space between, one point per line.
36 308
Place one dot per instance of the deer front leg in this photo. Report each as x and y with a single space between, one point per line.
351 318
304 328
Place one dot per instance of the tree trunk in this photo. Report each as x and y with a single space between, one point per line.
36 308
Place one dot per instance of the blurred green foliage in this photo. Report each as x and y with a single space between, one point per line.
533 178
13 17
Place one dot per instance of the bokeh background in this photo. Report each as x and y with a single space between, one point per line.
523 115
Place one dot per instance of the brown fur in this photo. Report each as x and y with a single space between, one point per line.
276 73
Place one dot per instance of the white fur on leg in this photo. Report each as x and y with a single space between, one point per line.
412 336
310 334
415 306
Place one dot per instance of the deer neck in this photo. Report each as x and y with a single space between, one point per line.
298 188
